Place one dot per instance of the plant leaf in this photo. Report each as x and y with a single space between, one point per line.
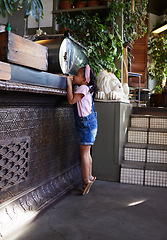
2 9
8 7
27 10
39 7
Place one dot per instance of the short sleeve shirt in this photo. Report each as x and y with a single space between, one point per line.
84 106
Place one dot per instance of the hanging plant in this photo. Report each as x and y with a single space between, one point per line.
32 7
134 20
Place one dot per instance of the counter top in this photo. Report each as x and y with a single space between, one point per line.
20 87
18 78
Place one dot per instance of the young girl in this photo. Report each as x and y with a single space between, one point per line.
86 119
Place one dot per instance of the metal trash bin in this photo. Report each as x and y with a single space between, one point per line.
65 54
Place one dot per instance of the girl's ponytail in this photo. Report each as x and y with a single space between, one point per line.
93 82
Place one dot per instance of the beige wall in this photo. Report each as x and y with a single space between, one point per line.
47 19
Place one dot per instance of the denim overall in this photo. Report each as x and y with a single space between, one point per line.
86 126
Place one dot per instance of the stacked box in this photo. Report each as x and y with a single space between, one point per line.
18 50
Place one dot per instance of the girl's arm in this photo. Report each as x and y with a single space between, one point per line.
72 98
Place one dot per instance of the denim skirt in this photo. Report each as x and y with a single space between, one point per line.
87 129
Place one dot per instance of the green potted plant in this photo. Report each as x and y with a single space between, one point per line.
157 71
156 96
102 47
99 33
33 8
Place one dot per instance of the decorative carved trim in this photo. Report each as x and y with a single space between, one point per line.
26 206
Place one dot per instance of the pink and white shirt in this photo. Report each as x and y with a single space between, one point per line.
84 106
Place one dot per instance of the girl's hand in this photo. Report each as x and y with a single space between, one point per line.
69 80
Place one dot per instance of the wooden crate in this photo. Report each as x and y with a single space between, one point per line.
18 50
5 71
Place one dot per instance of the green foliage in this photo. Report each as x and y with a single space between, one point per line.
100 33
32 7
8 6
157 89
157 49
102 47
134 21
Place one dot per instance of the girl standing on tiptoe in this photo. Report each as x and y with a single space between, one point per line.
86 119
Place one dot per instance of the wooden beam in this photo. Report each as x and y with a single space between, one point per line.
125 66
133 6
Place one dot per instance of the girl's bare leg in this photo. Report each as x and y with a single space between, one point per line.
86 162
90 166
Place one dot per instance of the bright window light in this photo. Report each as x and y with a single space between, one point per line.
160 29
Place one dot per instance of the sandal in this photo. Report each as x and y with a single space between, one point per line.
92 178
85 190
